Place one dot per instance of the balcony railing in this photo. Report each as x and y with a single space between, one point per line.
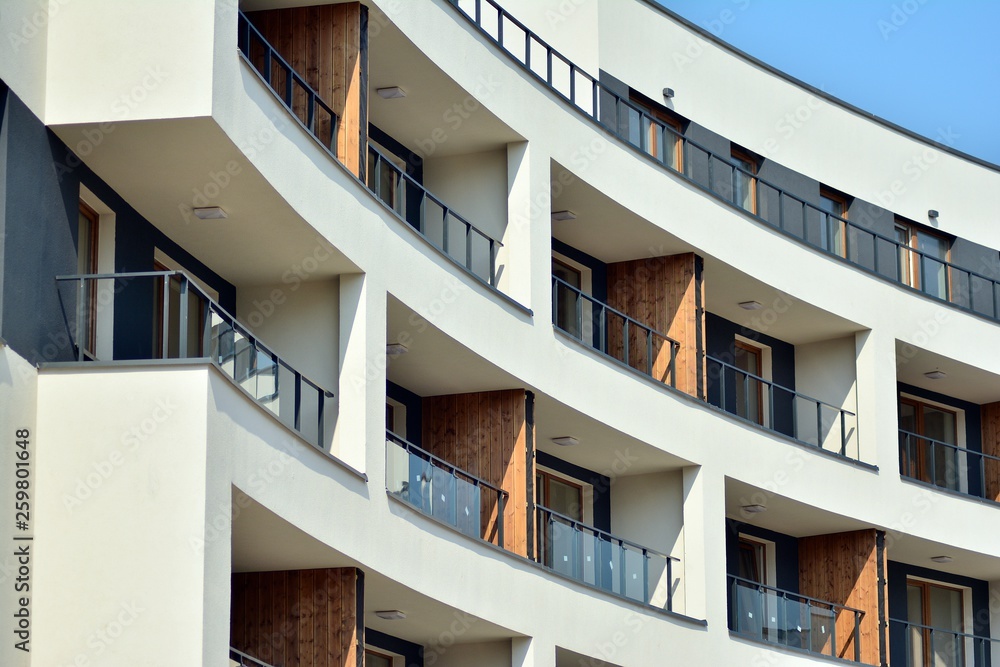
391 185
948 466
777 408
927 646
444 228
718 176
777 616
244 660
602 560
443 491
741 393
614 333
188 324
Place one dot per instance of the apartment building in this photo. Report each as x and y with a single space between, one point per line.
481 332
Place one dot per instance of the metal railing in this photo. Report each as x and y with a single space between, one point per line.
780 409
439 224
777 616
947 465
396 189
614 333
185 323
244 660
719 176
301 99
444 491
603 560
927 646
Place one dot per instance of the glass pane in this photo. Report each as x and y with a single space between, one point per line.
821 630
743 184
947 648
562 550
397 470
749 609
635 574
915 614
943 463
442 496
566 313
934 280
903 269
565 499
467 508
748 389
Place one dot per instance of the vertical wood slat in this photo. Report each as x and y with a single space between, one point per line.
842 568
663 293
323 44
991 445
484 433
299 618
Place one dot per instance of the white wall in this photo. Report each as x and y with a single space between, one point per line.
475 187
24 25
18 387
827 372
649 510
484 654
122 507
163 70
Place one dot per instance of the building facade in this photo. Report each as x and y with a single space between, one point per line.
421 333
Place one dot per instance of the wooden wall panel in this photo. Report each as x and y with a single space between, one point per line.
843 568
485 434
991 445
667 294
324 44
298 618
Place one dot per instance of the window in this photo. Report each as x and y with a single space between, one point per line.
556 535
387 183
567 316
744 180
748 359
927 269
86 263
929 458
832 228
939 607
657 131
752 561
377 659
195 317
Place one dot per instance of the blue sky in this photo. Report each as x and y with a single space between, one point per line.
931 66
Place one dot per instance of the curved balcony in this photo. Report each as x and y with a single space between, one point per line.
475 253
189 325
718 176
949 467
928 646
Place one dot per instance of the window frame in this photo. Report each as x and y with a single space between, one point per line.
92 267
759 352
666 117
745 157
923 473
826 192
912 251
925 613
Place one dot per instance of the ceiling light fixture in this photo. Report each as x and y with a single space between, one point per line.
566 441
751 305
396 349
391 614
942 559
210 213
391 93
559 216
935 375
754 509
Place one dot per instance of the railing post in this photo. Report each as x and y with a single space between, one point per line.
596 101
80 288
746 395
500 512
500 27
819 424
297 402
320 418
622 581
645 577
923 273
875 253
555 301
444 229
722 387
781 210
289 86
479 12
933 471
770 406
649 352
577 552
268 64
468 246
625 341
206 334
833 634
843 433
182 324
527 49
578 301
493 264
670 584
165 329
711 175
857 637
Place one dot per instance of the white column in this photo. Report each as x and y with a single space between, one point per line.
878 428
531 652
704 564
526 256
359 436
